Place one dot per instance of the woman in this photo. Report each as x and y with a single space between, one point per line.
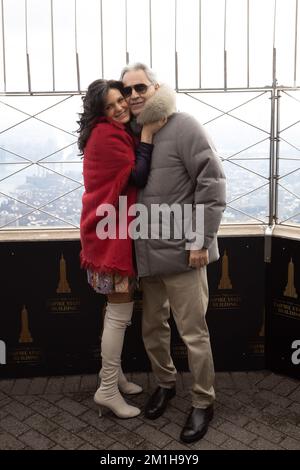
112 166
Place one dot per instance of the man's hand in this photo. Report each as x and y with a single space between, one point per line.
198 258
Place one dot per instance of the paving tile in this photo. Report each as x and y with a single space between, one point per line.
233 444
71 384
54 385
8 442
66 439
13 426
20 387
71 406
89 383
295 396
262 444
285 387
129 438
175 445
45 408
237 432
41 424
37 386
6 385
36 440
101 423
264 431
154 436
270 381
69 422
18 410
290 444
96 438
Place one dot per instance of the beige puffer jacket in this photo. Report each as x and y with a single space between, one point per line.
185 169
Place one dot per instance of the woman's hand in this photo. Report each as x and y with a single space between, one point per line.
149 130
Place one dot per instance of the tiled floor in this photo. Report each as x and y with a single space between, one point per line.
254 410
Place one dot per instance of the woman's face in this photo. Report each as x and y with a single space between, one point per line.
116 106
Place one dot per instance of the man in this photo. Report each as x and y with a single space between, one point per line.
184 170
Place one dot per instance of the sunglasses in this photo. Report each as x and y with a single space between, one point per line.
140 88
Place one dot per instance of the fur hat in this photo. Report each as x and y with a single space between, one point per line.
162 104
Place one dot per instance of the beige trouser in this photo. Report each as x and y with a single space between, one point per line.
187 295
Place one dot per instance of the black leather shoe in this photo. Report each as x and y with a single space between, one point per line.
197 424
158 401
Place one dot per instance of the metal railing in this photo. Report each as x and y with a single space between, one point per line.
275 181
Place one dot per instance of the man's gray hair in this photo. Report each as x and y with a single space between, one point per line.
139 66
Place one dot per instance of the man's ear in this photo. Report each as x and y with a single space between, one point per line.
156 86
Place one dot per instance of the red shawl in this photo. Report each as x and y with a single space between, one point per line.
109 157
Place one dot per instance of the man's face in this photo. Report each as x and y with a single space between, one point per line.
137 99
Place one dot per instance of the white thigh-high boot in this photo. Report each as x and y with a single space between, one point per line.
117 318
129 388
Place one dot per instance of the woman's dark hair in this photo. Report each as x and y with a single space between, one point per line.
94 107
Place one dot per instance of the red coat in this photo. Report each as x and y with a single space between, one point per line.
109 157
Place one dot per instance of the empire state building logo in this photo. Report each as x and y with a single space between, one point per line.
25 335
290 290
63 285
225 282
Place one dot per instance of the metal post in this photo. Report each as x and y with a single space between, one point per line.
200 45
274 48
248 44
271 166
126 34
27 53
176 53
296 45
52 45
102 48
272 210
76 48
225 51
277 142
150 31
3 47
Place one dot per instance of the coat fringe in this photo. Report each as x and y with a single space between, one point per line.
89 265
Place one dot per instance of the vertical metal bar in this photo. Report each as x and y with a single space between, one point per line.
52 46
277 143
126 33
175 45
175 28
274 48
271 163
3 47
28 73
26 29
225 51
248 44
102 48
274 23
274 80
273 133
176 71
150 31
200 44
296 45
76 47
26 46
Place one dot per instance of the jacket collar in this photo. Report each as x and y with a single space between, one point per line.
162 104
